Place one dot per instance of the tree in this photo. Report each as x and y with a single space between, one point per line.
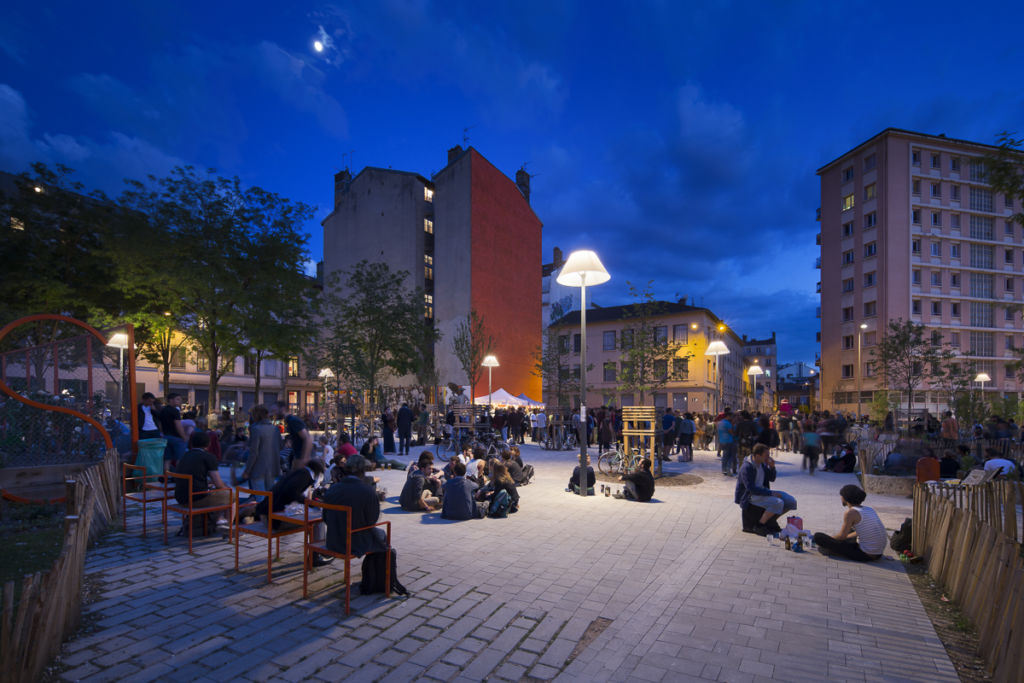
951 374
649 358
470 344
551 365
227 242
905 358
373 326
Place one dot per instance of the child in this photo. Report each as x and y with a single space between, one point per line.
812 448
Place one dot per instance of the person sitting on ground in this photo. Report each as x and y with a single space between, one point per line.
292 487
995 461
574 480
639 485
753 488
862 537
420 493
345 447
459 496
449 469
949 466
326 450
527 469
501 494
202 466
515 470
480 478
374 453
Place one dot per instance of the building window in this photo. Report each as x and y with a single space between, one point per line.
680 334
915 216
249 364
870 249
848 341
848 202
935 161
915 188
609 372
954 310
915 277
847 314
1008 314
977 172
870 191
870 162
1008 201
915 157
937 308
1009 285
981 199
954 193
1008 256
915 307
428 226
936 219
936 249
576 339
936 190
428 266
563 343
870 220
848 174
983 344
936 278
428 194
982 256
983 227
178 358
847 257
681 368
848 284
848 229
915 247
982 314
869 279
954 340
847 371
609 341
293 366
627 339
954 164
1009 343
954 280
202 363
870 309
661 335
954 221
428 305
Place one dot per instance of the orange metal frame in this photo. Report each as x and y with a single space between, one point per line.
295 526
152 491
189 510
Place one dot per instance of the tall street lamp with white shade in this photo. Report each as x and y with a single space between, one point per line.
583 268
490 362
755 371
982 378
860 366
326 375
118 340
717 348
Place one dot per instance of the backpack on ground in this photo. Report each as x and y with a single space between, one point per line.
500 504
902 539
374 574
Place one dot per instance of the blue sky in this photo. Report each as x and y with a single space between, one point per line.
679 140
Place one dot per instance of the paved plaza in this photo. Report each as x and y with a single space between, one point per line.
567 589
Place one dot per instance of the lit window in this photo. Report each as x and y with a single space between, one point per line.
848 202
428 226
293 366
428 194
17 224
870 191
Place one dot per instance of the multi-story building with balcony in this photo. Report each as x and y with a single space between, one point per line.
911 229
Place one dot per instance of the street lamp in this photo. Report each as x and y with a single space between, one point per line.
717 348
490 362
860 367
326 375
118 340
583 268
754 371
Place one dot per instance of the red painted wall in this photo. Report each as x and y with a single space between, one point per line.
506 276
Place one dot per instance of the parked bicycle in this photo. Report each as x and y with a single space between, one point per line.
617 461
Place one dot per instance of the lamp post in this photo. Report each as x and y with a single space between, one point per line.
754 371
860 367
118 340
583 268
982 378
717 348
490 362
326 374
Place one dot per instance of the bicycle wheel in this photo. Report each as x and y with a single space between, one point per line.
607 462
441 447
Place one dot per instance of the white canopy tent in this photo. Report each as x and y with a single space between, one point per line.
500 397
530 401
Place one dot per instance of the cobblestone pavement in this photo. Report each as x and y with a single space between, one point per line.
567 589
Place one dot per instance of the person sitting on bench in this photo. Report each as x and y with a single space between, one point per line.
862 537
753 488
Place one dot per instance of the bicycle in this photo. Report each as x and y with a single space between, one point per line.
618 461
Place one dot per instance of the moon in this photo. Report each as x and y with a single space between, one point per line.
318 46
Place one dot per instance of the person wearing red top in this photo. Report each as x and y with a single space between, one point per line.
345 448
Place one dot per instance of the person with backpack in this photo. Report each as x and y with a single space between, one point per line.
501 494
687 430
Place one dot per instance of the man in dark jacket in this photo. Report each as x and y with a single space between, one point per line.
753 487
264 463
404 420
354 492
639 485
459 493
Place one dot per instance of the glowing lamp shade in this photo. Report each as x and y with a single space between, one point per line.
326 373
118 340
755 371
717 348
582 269
490 362
982 377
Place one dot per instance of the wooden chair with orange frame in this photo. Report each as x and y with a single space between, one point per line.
286 526
312 546
191 509
139 487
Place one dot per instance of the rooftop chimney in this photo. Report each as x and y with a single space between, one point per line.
558 261
523 183
342 179
454 153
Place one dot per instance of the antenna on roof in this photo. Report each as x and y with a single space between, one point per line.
465 134
349 155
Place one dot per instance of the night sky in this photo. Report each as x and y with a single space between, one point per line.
678 140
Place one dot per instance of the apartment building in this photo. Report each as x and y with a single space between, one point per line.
693 377
764 354
910 229
470 239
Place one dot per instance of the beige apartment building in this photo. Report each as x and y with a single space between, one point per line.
910 229
693 376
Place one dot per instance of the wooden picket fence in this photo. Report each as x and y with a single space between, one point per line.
48 610
970 537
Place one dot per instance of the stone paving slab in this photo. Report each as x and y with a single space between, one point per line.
688 597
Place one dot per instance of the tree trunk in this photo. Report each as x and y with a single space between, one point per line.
214 359
259 376
167 376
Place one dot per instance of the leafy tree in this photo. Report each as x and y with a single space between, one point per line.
373 327
951 374
648 357
905 358
425 365
471 343
551 365
225 242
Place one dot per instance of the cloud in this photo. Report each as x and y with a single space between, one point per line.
299 82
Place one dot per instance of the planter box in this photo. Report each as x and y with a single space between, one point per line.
888 485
